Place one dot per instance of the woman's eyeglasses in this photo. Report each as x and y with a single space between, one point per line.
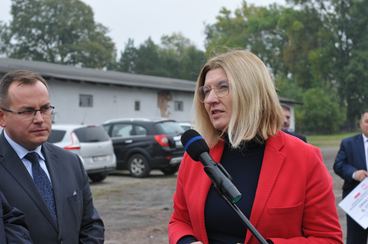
221 90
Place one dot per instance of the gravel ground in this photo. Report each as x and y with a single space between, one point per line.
136 211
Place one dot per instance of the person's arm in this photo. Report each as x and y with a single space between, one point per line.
15 227
341 165
92 227
180 224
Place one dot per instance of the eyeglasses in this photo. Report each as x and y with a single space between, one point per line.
221 90
31 113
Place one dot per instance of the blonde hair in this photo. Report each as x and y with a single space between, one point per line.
256 110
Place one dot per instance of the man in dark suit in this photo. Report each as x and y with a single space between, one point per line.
13 228
45 182
351 165
286 124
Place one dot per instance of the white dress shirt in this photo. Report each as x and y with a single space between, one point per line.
22 152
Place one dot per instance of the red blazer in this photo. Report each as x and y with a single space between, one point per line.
294 202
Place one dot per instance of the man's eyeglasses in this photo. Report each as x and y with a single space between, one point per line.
221 90
31 113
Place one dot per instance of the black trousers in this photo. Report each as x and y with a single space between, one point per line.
355 233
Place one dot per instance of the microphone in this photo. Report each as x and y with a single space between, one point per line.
198 150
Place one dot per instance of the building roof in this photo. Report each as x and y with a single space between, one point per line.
65 72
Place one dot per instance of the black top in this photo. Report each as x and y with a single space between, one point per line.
223 225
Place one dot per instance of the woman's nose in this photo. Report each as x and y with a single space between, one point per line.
211 97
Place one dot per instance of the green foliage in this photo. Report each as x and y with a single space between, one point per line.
58 32
355 86
313 45
352 56
4 37
175 57
292 42
288 88
128 58
321 112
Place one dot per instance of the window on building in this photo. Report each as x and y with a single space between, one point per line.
137 105
85 100
178 106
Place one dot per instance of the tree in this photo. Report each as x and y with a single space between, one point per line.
4 37
352 57
148 61
128 58
174 57
58 32
347 58
180 57
321 112
314 44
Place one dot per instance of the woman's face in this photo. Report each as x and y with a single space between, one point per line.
217 98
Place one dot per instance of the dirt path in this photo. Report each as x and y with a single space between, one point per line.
136 211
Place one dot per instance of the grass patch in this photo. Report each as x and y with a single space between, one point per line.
332 140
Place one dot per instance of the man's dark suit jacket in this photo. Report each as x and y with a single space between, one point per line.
13 227
78 221
350 157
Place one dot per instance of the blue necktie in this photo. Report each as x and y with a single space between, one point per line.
42 183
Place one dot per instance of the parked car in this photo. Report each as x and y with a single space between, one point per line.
141 145
91 143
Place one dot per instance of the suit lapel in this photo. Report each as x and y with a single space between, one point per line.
54 169
360 147
272 162
14 166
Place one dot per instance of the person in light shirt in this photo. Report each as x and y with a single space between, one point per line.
351 165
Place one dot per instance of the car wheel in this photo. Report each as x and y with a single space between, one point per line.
170 170
138 166
97 177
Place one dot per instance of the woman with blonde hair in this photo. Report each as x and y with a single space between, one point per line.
286 188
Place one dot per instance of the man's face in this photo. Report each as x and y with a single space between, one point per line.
286 123
364 124
28 131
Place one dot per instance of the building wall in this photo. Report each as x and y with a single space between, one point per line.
110 101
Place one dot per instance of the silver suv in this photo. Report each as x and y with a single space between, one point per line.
91 143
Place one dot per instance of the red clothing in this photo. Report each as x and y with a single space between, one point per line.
294 201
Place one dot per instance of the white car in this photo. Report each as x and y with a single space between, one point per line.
185 125
91 143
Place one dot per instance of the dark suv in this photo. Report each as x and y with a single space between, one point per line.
141 145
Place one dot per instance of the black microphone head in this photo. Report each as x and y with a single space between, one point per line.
194 144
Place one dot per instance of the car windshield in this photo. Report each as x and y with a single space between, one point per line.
169 127
56 136
91 134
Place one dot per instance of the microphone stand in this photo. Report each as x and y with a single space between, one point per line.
245 221
232 204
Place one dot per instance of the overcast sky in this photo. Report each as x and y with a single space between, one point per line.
140 19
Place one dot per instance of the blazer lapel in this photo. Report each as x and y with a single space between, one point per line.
272 162
360 148
55 170
14 166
